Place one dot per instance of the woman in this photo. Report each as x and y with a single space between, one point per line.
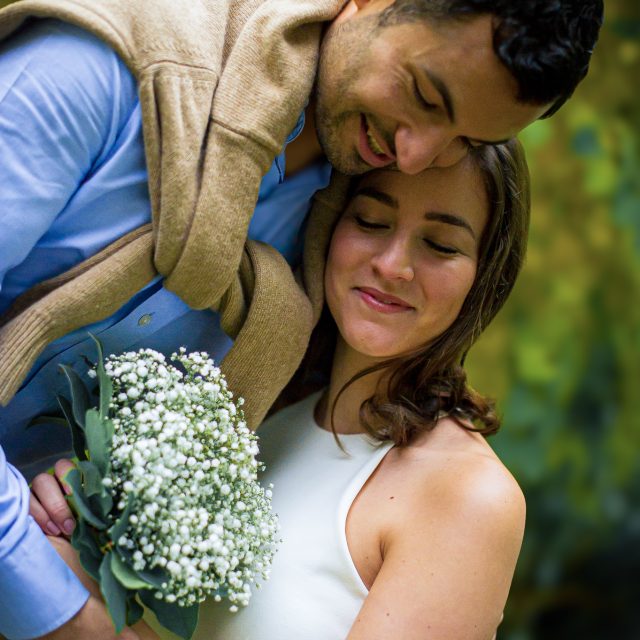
408 526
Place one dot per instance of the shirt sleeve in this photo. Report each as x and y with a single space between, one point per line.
61 100
38 592
60 103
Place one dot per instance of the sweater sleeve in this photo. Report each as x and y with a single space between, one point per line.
63 94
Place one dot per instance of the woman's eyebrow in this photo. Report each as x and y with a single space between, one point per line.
376 194
450 218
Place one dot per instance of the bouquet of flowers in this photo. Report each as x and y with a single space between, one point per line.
170 508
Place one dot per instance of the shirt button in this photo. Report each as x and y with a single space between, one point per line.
144 320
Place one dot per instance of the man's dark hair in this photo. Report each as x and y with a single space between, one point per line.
545 44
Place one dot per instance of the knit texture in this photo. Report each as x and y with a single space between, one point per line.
221 84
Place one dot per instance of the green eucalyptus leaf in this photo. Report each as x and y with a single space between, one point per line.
77 434
90 563
47 420
84 542
101 504
125 575
179 620
91 478
156 576
104 381
98 349
134 610
98 433
115 595
80 401
79 500
83 538
125 553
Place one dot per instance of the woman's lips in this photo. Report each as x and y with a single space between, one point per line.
366 152
382 302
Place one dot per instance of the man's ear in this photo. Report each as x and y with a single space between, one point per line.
354 6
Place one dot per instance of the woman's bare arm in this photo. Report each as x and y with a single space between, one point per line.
448 565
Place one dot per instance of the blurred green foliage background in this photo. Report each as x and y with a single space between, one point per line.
563 359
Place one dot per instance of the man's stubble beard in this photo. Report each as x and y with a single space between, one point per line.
336 144
336 108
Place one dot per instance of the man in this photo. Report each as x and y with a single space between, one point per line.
410 84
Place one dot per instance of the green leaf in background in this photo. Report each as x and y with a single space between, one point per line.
77 435
125 575
79 500
563 358
80 401
99 433
115 595
104 381
180 620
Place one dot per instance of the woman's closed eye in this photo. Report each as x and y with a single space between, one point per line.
369 224
441 248
375 225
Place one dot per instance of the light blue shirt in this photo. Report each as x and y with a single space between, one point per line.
73 179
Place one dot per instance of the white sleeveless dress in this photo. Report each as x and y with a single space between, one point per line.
314 592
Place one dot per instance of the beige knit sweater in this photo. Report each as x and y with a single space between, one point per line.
221 83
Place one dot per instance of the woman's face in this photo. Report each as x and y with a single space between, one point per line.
403 257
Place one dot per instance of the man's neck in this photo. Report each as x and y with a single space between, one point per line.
305 150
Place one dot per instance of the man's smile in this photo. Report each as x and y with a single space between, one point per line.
373 143
370 148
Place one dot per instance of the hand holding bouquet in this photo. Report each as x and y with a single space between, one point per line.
170 509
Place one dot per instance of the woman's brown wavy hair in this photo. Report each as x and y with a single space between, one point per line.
421 385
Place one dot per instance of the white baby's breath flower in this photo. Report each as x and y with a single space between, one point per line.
185 461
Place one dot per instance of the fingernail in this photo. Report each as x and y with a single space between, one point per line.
52 528
69 525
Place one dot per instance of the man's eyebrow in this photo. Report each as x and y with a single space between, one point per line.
376 194
449 218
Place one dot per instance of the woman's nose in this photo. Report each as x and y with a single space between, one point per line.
393 261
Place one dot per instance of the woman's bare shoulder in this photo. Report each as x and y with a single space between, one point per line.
456 475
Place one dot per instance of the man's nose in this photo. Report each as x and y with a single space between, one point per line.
417 150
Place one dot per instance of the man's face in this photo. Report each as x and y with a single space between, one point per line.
411 95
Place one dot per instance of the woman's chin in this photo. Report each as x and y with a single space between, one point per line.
374 347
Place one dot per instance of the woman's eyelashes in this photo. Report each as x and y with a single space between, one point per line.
438 247
369 224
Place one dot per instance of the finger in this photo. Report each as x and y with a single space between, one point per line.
37 511
50 495
61 468
130 634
